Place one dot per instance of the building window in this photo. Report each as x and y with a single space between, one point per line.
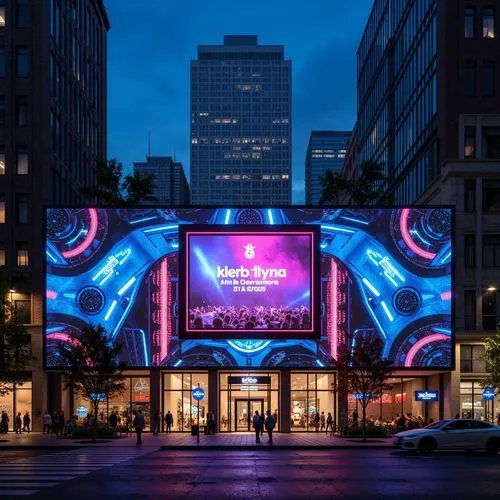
2 254
471 358
22 62
470 78
2 160
469 142
469 195
489 308
489 79
472 404
470 22
469 310
22 14
489 22
491 142
2 61
23 254
22 160
470 250
22 208
491 250
22 110
491 196
22 307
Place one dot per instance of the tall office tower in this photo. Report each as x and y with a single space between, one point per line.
327 150
171 186
424 68
52 130
241 123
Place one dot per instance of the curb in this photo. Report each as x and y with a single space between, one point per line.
275 447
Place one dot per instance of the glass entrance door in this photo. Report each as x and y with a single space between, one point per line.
245 410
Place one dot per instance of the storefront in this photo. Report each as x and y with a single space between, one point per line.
473 404
17 400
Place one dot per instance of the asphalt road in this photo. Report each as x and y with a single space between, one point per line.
347 474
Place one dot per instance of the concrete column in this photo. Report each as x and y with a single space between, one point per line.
155 393
213 395
54 389
285 404
39 400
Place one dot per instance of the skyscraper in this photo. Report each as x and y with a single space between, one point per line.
171 186
241 122
327 150
53 115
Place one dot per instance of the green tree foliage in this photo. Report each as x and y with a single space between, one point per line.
114 189
15 341
362 371
364 190
91 366
492 359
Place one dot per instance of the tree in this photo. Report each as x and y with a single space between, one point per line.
362 371
492 359
113 188
15 342
91 366
364 190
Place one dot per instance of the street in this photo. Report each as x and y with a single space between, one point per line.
349 474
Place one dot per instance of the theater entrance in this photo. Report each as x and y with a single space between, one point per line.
244 412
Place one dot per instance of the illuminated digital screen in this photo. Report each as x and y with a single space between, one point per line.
242 279
384 273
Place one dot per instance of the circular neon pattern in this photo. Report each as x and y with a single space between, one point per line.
89 238
249 346
421 343
408 239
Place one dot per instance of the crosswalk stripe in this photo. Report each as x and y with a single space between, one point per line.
26 476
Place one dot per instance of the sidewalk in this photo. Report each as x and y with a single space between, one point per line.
239 440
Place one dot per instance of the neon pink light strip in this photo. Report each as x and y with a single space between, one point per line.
163 310
333 310
51 294
89 238
446 296
418 345
407 238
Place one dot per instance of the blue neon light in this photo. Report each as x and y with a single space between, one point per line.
446 257
319 363
54 329
338 229
110 310
371 287
146 354
386 309
440 329
51 257
228 214
259 345
80 233
138 221
270 215
126 286
365 223
178 363
158 229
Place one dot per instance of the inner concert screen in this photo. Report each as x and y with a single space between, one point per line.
262 287
258 281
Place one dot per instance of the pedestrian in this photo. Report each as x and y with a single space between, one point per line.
156 423
47 423
457 416
329 423
316 421
270 424
26 422
210 422
113 420
55 424
262 423
355 417
257 424
5 422
138 424
62 423
19 423
322 420
169 421
275 416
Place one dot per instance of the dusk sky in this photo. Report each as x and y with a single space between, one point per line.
150 46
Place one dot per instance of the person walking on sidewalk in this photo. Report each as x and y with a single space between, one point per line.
210 422
329 423
26 422
139 423
47 423
270 424
156 423
257 425
19 423
322 420
169 421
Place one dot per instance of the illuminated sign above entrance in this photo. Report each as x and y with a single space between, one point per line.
427 396
250 380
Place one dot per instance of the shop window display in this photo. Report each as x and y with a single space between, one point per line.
17 400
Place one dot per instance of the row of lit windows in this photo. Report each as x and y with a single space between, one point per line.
340 155
242 156
254 177
21 209
487 25
22 162
240 140
22 254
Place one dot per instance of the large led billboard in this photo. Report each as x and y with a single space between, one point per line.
241 278
163 282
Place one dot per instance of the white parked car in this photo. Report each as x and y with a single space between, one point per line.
456 434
